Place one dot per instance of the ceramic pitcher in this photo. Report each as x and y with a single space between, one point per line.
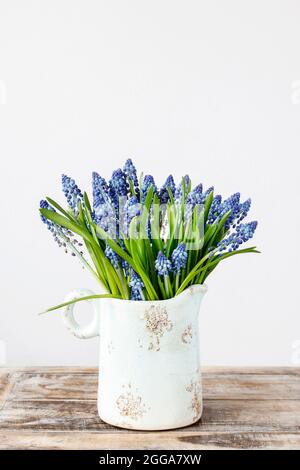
149 365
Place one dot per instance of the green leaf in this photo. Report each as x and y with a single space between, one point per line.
135 265
219 233
216 260
192 274
170 195
80 299
207 205
66 223
87 202
146 213
59 208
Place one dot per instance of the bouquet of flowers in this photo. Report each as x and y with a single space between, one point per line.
141 242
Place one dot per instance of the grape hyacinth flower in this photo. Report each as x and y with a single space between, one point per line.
172 244
72 193
179 257
231 204
162 264
125 265
132 209
242 234
131 175
117 187
112 256
100 190
244 209
56 233
163 193
137 286
63 237
147 183
193 198
135 295
104 213
178 191
214 209
203 197
105 217
196 194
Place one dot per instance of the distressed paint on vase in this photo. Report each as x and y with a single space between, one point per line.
149 364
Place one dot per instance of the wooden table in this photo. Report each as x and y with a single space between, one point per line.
55 408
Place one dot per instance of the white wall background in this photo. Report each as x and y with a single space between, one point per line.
210 88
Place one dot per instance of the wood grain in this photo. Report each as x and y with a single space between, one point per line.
56 408
6 384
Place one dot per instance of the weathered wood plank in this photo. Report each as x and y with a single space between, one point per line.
220 370
6 385
145 441
218 415
206 369
56 408
56 369
251 386
53 385
251 415
65 385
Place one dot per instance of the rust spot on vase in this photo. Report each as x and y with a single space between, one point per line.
187 335
157 324
195 389
130 403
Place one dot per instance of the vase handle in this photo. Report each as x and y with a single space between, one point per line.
83 332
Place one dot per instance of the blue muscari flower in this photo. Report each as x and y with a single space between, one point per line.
117 187
203 197
162 264
60 234
179 257
214 209
112 256
243 210
136 285
125 265
130 172
230 204
103 213
72 193
178 191
193 198
136 294
135 281
100 190
104 216
196 194
45 205
163 193
148 181
242 234
50 225
132 209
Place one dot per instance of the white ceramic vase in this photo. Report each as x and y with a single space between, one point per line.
149 364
